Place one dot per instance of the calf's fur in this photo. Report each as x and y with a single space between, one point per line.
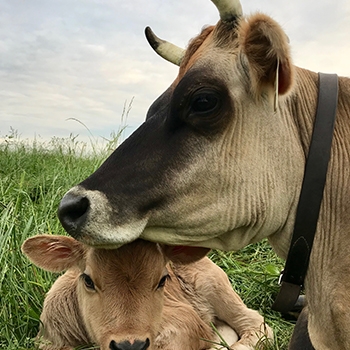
129 302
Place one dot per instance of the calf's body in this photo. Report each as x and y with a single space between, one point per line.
132 298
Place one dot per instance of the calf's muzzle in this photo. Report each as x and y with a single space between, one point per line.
126 345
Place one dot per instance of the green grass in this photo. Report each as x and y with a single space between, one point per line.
33 179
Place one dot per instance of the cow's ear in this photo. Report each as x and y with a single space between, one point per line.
184 254
53 253
266 47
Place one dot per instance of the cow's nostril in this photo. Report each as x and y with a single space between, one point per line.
126 345
72 212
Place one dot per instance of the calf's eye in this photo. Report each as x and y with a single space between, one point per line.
161 283
89 283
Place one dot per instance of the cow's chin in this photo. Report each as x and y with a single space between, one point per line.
171 236
110 237
114 237
228 241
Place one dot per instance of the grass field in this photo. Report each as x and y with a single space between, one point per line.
33 179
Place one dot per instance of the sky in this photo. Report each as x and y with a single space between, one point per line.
69 63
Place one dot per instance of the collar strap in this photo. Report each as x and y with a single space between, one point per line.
292 278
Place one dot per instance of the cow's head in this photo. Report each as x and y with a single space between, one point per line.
120 292
215 163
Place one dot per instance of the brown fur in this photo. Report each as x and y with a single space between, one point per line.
263 42
126 303
192 50
260 39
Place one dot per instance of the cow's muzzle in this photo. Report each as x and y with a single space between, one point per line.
88 216
72 212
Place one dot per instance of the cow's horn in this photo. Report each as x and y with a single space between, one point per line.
168 51
228 9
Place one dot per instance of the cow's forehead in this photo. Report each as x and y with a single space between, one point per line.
195 49
204 46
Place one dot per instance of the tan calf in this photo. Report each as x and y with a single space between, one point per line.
131 298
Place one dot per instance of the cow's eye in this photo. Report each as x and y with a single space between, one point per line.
89 283
204 101
161 283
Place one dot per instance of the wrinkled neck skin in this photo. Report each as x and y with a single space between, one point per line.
333 218
301 108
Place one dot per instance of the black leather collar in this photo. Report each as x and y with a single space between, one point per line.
292 278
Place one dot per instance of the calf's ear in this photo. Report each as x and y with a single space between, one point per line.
184 254
53 253
266 47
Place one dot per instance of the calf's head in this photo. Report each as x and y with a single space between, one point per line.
120 292
214 164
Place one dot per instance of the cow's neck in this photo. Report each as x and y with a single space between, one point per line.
302 105
335 210
334 220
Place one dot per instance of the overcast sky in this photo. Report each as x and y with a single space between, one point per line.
86 59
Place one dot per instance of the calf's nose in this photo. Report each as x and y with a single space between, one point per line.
126 345
72 212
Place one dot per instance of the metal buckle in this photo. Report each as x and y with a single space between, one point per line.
280 278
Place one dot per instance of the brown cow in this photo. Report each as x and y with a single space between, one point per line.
218 163
131 298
